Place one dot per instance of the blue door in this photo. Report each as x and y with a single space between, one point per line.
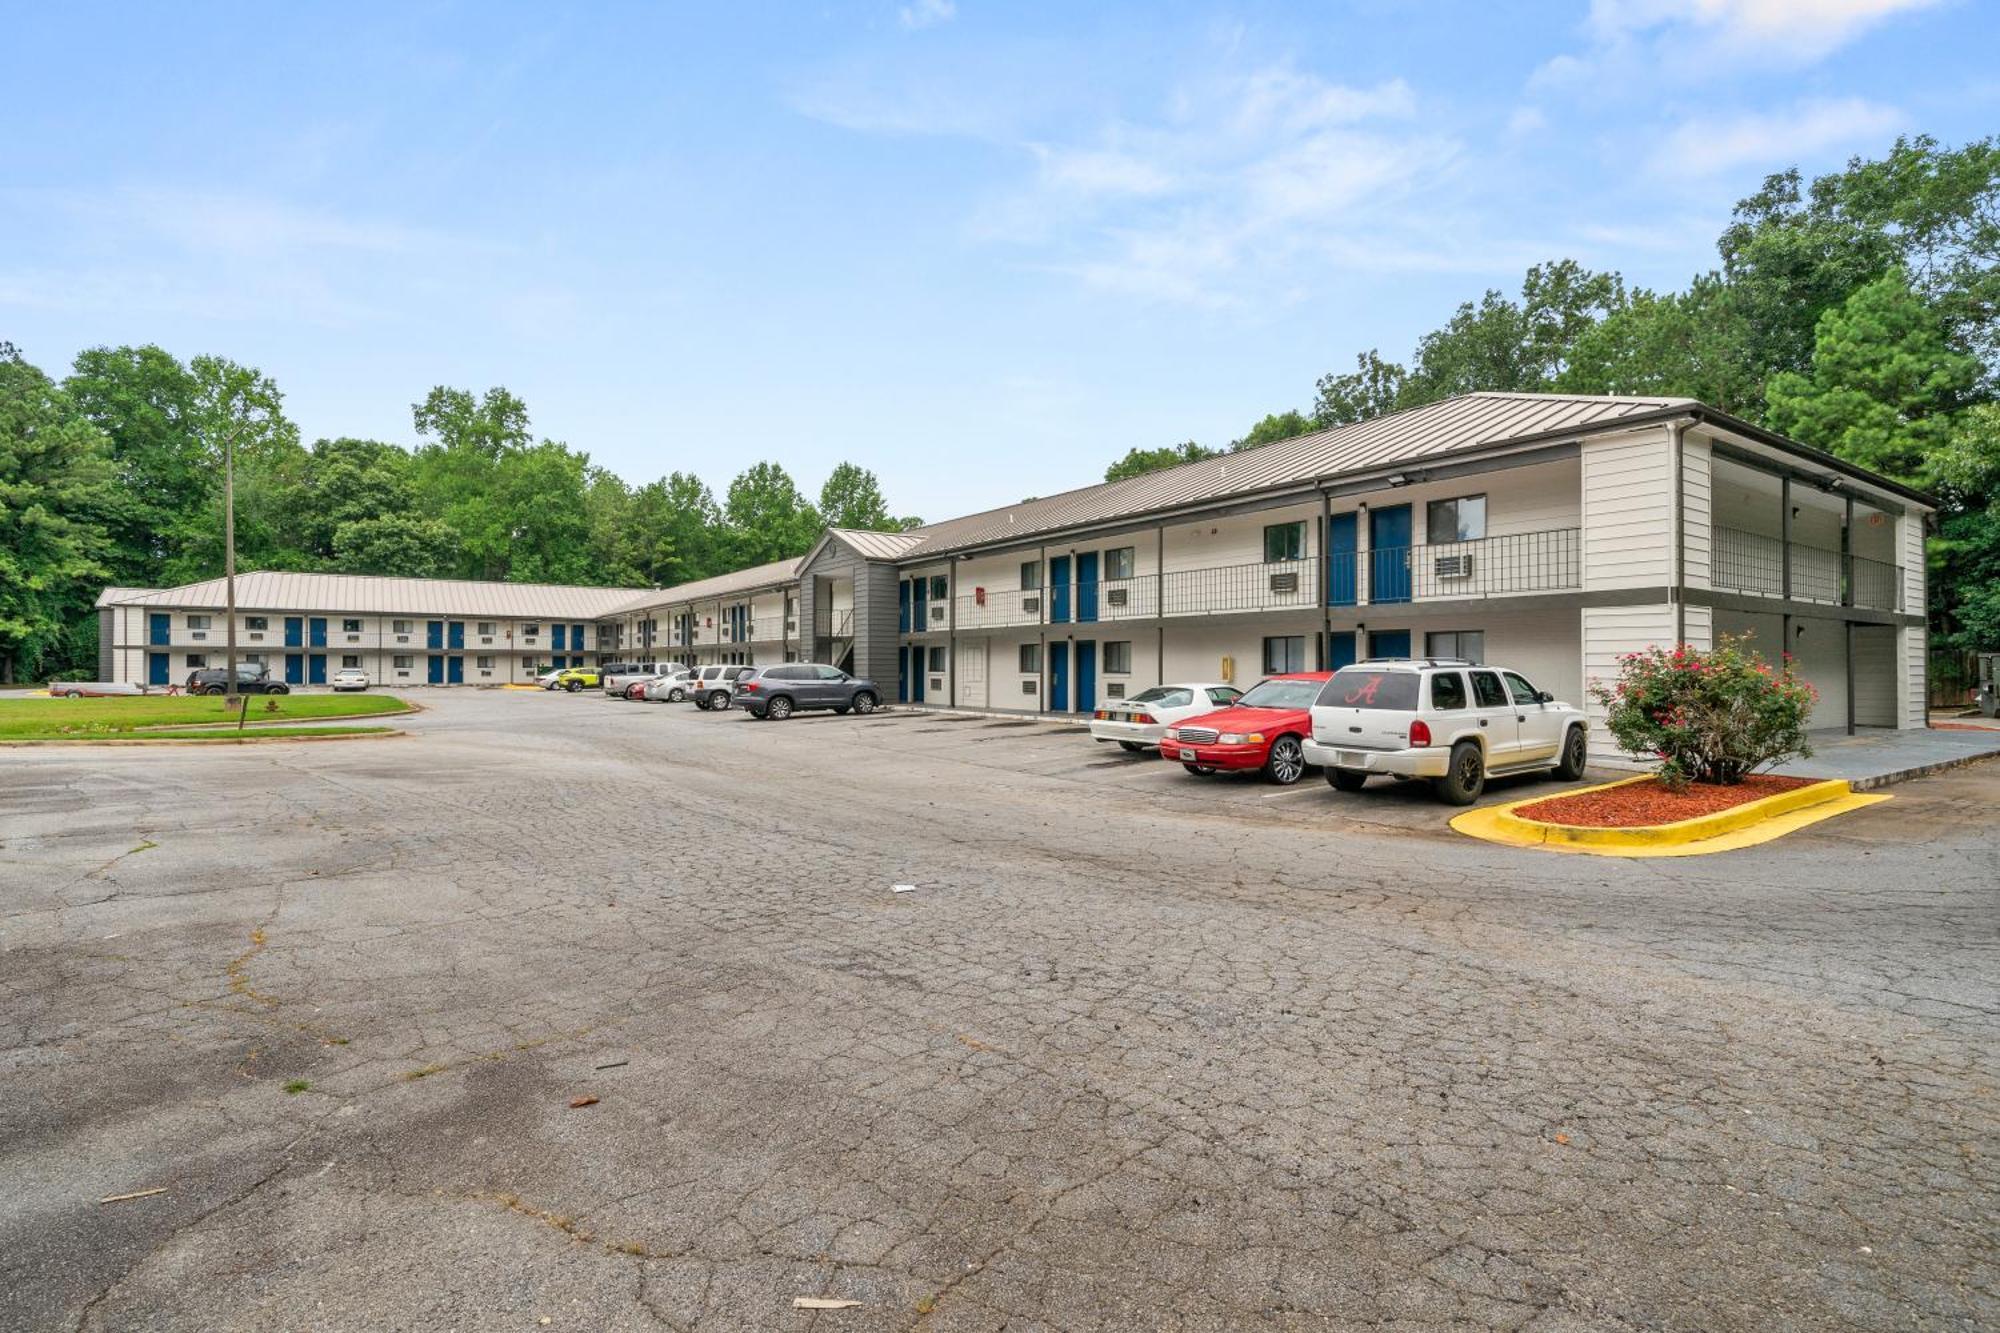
436 674
903 658
576 641
918 589
1086 671
434 634
903 607
159 629
1389 555
156 668
1342 549
457 639
1086 607
295 668
1340 649
916 675
1059 588
1059 674
316 632
1388 643
316 668
295 631
455 670
557 637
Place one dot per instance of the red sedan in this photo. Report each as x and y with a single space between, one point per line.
1267 729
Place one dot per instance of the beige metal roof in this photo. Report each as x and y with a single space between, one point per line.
272 590
1468 422
776 574
879 545
120 596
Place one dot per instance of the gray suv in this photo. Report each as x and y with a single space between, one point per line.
779 691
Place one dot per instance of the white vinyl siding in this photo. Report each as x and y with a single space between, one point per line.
1628 513
1696 483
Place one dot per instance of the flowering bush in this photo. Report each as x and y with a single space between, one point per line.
1713 716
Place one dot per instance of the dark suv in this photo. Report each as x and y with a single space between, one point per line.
779 691
249 680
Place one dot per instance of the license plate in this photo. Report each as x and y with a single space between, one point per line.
1189 755
1351 759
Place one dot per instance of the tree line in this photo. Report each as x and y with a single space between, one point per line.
114 476
1859 312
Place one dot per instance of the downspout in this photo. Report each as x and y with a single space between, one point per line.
1323 583
1676 439
1160 602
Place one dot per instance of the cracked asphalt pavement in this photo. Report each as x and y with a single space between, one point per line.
1142 1051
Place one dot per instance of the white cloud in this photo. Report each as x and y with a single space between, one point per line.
1526 120
1796 29
926 13
1706 145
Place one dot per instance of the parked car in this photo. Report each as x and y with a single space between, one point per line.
92 689
672 686
777 692
711 685
617 677
249 680
1138 723
1446 719
1265 729
576 678
350 678
551 679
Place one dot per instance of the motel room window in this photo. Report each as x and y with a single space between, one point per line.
197 622
351 660
530 631
1119 562
486 628
1031 659
940 587
1460 520
197 659
527 664
1284 652
1031 575
403 663
256 622
1469 644
1284 541
400 626
253 659
485 663
350 627
937 659
1118 658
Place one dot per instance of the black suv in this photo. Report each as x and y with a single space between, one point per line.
779 691
249 680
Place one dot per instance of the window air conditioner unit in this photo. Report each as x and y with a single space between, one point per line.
256 638
1032 603
402 638
487 639
198 634
1287 582
356 638
937 613
1453 566
1116 689
1117 596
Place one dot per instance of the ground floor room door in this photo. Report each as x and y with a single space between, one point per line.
903 672
315 668
1059 677
156 668
454 670
1339 649
972 673
1086 676
435 675
1388 643
295 668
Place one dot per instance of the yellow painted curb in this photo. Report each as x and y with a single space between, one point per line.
1745 825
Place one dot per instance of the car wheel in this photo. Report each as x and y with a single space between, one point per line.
1131 747
1465 779
676 694
1286 763
1346 779
572 685
213 690
1575 751
281 689
1200 770
718 700
779 708
864 702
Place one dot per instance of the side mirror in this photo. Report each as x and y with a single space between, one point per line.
1546 697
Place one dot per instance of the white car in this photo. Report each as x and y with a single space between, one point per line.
711 685
549 680
671 687
1446 719
1138 722
349 678
618 677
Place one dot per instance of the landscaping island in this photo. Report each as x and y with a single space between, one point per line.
196 718
1650 801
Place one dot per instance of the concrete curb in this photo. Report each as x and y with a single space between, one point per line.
1726 830
247 738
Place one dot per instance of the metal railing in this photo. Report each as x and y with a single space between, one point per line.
1523 562
1752 562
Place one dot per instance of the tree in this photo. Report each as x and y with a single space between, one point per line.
403 545
1277 426
1676 344
344 481
458 471
852 498
1137 462
1510 346
142 399
1373 387
1884 380
238 407
767 519
57 488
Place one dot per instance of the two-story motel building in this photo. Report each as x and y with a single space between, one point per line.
1548 532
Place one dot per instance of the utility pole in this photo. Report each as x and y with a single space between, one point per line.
229 559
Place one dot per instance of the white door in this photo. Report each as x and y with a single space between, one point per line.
1498 718
972 673
1541 725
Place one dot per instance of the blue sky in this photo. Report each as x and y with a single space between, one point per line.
980 247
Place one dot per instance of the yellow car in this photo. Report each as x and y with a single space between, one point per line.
576 678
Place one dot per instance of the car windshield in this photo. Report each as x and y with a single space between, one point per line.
1367 687
1280 694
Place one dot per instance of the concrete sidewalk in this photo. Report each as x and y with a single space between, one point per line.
1876 758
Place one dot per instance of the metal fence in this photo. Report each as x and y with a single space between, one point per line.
1754 563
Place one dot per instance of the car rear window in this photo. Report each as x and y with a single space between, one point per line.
1164 697
1280 694
1366 687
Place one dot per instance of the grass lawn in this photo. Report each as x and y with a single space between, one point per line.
228 735
101 719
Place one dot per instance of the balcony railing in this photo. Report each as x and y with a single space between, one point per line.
1754 563
1529 562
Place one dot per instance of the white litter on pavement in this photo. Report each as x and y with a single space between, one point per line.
902 888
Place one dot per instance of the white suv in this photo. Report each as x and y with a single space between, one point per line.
1445 719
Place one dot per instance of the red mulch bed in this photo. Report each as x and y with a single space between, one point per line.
1646 802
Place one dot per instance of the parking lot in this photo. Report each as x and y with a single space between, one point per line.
1140 1050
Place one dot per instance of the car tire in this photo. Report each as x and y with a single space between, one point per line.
778 709
214 690
1200 770
717 700
1575 754
1465 778
1346 779
676 695
1286 762
1131 747
573 686
279 689
864 703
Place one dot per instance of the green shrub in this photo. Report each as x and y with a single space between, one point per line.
1715 716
